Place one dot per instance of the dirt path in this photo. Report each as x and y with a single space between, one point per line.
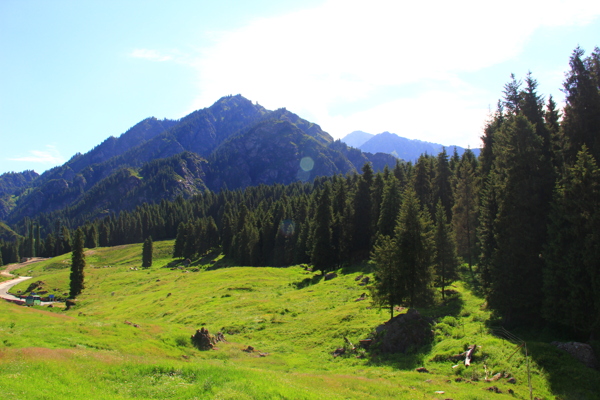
11 267
6 286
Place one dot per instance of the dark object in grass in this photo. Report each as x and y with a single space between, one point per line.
35 286
580 351
403 333
248 349
330 276
203 340
493 389
69 304
422 370
339 352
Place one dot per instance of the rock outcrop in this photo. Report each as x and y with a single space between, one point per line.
203 340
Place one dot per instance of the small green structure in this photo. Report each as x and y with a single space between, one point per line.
33 301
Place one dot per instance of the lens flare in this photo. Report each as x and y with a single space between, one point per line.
307 164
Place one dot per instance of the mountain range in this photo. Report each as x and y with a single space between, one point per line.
400 147
234 143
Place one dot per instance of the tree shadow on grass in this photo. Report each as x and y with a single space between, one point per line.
415 357
568 378
410 360
471 279
451 306
308 281
365 267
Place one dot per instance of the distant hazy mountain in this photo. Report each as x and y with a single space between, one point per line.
234 143
357 138
403 148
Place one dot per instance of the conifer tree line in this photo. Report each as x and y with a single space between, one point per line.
524 216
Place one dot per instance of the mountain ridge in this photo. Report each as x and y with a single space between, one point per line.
400 147
234 143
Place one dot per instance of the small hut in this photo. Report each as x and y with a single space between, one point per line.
33 301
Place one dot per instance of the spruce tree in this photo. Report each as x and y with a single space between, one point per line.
520 179
91 238
388 289
464 211
390 207
363 212
322 254
38 240
77 265
147 253
581 119
104 236
442 186
572 253
422 182
49 246
414 249
445 260
341 213
180 239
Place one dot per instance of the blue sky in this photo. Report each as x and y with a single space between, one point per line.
73 73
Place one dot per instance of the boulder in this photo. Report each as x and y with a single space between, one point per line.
581 351
403 333
330 276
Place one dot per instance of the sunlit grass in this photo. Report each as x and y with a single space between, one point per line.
293 315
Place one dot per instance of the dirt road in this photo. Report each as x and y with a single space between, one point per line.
11 267
5 286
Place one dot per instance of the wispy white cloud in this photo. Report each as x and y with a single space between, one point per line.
347 51
152 55
50 156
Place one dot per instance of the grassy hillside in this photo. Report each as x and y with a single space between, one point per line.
95 351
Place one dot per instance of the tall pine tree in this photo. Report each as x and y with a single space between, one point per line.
406 258
147 253
572 254
445 260
322 253
520 187
77 265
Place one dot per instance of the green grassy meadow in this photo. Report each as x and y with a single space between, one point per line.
94 350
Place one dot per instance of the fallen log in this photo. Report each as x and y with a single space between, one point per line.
469 355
